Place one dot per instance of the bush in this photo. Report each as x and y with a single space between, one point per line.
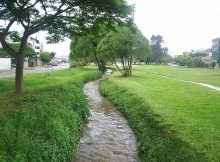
46 57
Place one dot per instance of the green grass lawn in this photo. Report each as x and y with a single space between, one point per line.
44 123
172 120
202 75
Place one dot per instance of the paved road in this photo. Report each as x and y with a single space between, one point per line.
11 73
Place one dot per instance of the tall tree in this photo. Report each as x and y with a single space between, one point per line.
61 18
157 52
125 45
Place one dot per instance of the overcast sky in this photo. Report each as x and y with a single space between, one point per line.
184 24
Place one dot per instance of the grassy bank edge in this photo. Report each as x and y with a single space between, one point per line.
47 123
156 141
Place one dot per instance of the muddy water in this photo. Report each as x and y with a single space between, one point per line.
107 138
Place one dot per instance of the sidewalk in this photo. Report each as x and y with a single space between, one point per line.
11 73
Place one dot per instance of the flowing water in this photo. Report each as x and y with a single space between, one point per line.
107 137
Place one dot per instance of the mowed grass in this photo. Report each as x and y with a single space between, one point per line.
172 120
45 123
202 75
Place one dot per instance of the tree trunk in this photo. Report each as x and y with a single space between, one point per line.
100 63
218 60
130 66
124 66
19 74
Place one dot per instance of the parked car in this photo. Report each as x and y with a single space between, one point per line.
54 63
13 65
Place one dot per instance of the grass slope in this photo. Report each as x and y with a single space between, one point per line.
46 122
172 120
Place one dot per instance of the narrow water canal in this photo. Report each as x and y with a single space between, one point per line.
107 137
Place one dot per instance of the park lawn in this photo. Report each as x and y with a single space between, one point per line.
202 75
45 123
172 120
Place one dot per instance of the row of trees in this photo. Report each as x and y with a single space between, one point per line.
123 44
194 60
190 61
61 18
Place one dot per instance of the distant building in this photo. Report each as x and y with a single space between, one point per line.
36 45
38 48
206 52
187 53
216 49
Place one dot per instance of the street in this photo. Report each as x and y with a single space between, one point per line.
11 73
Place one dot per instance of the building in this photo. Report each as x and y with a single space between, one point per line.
38 48
203 52
216 49
36 45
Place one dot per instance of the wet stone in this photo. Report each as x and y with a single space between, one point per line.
107 137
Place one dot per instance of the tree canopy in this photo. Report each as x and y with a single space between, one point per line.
125 45
190 61
157 52
61 18
84 47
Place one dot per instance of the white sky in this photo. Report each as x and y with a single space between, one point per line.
184 24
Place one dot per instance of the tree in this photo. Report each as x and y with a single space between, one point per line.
79 54
218 61
124 45
166 59
157 52
61 18
46 56
183 60
82 50
29 51
213 64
